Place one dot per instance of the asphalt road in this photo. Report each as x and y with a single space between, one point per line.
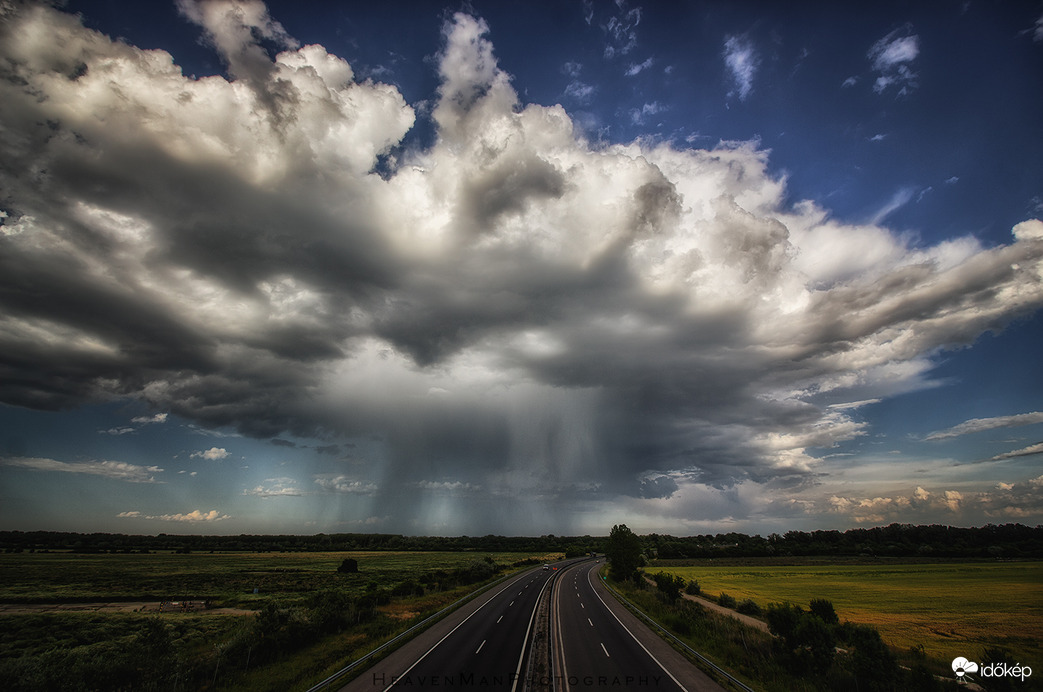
596 643
482 646
599 645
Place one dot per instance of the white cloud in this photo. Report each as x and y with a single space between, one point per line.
637 68
1023 452
194 517
122 430
511 306
621 30
276 487
115 470
346 485
741 60
639 115
212 454
976 425
899 199
579 91
891 57
146 420
139 420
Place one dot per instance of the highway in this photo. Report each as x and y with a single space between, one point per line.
482 646
595 643
599 645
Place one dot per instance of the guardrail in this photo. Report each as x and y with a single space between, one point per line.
713 666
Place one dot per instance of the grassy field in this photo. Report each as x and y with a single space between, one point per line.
207 648
950 608
229 579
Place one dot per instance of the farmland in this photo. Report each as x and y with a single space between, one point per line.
950 608
60 614
226 579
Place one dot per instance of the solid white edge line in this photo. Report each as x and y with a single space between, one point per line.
658 662
528 630
561 643
417 662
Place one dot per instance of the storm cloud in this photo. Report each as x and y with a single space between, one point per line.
513 313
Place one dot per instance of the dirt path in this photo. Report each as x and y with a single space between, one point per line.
711 605
745 619
115 607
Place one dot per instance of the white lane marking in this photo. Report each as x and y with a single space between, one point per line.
510 604
676 681
498 619
591 623
481 645
604 649
448 634
528 632
582 606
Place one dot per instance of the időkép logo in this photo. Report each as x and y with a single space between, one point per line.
961 666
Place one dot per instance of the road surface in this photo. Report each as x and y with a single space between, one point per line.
596 644
481 646
599 645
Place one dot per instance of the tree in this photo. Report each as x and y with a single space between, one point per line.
623 551
824 610
349 566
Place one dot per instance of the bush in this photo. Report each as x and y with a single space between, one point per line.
692 589
748 607
824 610
726 601
669 586
807 643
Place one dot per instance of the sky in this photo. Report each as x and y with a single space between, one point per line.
520 268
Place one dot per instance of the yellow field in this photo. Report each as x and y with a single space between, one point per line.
951 609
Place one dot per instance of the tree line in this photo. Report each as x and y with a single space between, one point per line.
1011 541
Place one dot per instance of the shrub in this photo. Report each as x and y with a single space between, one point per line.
669 586
692 589
824 610
748 607
726 601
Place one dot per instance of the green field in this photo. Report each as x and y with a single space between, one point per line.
56 634
228 579
950 608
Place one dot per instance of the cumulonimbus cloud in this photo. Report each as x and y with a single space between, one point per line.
512 308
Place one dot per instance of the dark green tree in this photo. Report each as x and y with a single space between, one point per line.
824 610
623 551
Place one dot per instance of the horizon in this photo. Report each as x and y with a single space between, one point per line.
416 270
542 536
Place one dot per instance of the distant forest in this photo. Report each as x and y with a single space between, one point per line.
1010 541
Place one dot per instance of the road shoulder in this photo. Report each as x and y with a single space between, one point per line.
684 671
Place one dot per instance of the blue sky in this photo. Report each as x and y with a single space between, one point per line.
520 268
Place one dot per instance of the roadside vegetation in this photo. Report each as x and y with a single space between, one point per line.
936 610
800 649
864 623
311 617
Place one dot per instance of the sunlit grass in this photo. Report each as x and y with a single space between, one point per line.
950 608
